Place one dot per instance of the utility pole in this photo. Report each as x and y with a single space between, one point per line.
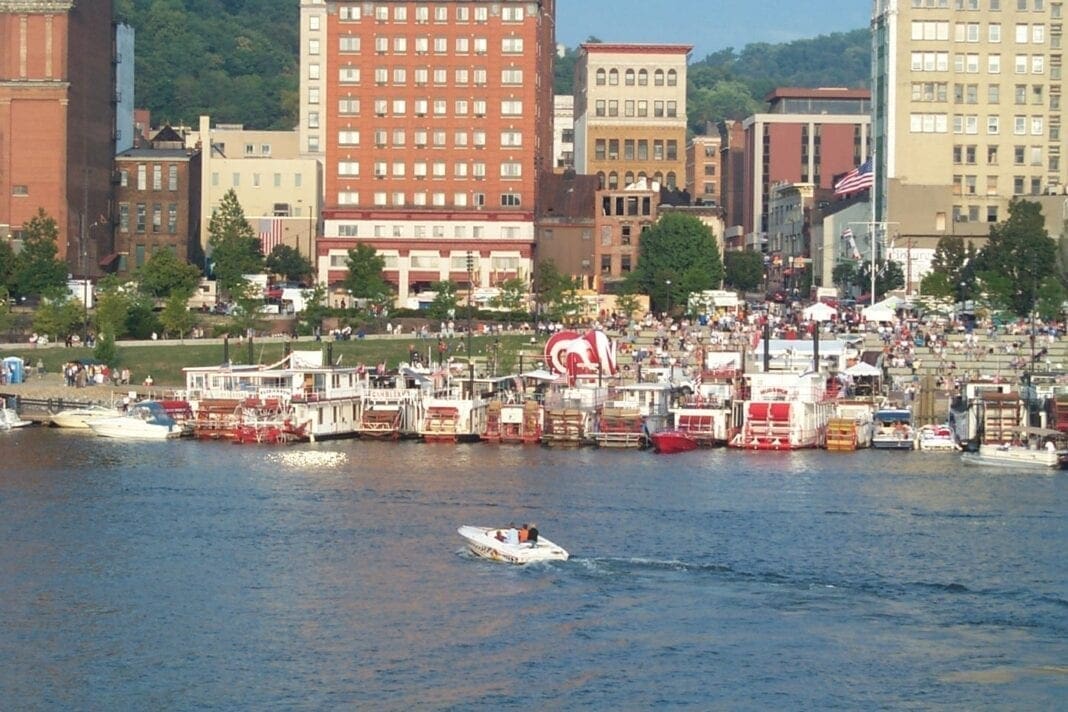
875 227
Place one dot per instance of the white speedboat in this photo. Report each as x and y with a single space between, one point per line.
1032 455
81 416
9 419
483 541
936 438
143 421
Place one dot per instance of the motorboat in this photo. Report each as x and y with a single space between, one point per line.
668 442
936 438
146 420
1032 448
484 542
9 419
80 416
893 429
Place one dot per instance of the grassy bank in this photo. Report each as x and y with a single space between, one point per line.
165 360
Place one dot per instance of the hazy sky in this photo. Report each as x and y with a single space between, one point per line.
708 25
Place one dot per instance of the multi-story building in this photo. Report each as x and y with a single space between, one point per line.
732 183
563 133
57 123
968 113
278 188
806 136
630 113
440 122
703 169
124 87
621 216
158 202
313 70
565 224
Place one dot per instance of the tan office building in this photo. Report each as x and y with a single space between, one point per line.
967 112
630 113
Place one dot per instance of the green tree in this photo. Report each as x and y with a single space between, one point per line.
106 350
512 295
7 266
37 271
743 270
724 100
247 316
1051 296
1020 249
235 249
554 291
59 317
937 284
6 317
365 280
141 319
445 300
677 255
627 304
113 303
176 317
888 276
164 273
288 262
844 275
315 310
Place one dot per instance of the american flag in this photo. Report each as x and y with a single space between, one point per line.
847 233
859 178
270 234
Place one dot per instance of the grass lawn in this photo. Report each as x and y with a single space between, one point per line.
165 360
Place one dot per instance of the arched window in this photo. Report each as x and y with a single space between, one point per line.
613 180
600 77
672 78
613 77
628 78
643 78
600 180
658 177
658 78
671 179
628 179
642 176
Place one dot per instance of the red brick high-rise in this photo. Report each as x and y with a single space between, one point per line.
57 118
438 124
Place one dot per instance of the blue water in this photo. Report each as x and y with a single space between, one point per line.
187 575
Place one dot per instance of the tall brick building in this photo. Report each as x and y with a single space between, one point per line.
439 123
57 119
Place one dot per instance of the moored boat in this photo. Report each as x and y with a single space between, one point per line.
79 418
484 542
893 429
146 420
1031 448
9 419
936 438
668 442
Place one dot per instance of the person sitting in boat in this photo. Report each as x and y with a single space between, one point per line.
511 535
532 534
523 530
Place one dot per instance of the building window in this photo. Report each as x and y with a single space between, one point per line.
172 177
124 217
672 78
142 214
142 177
172 218
510 200
157 217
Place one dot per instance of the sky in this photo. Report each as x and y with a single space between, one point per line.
708 25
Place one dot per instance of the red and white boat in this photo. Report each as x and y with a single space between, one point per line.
785 411
669 442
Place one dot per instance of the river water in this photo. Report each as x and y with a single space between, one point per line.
186 575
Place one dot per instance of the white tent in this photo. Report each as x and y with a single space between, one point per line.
878 313
860 368
819 312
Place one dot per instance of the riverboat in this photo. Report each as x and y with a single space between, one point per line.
571 412
706 413
1031 448
516 415
851 427
785 411
484 542
632 414
391 405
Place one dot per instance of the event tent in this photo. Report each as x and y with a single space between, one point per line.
819 312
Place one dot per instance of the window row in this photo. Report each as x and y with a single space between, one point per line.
633 108
422 76
635 149
423 44
938 31
610 180
256 180
422 14
610 77
157 177
432 169
141 217
1021 156
975 5
971 63
419 199
437 138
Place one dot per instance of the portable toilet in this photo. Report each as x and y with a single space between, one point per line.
14 369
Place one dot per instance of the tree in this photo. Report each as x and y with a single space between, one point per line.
937 284
364 280
235 249
512 294
7 266
176 317
627 304
141 319
888 275
1020 249
844 275
36 269
164 273
58 317
288 262
1051 296
677 255
554 291
743 270
6 317
113 302
445 300
106 350
315 310
247 317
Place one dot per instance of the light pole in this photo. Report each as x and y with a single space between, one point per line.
668 283
470 295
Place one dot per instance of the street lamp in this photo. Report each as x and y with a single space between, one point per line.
668 283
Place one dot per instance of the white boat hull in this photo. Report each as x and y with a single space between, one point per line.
9 419
482 541
123 428
79 418
1015 456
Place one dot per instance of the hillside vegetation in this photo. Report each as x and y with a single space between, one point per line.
237 61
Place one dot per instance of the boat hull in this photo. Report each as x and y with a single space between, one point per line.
669 442
1016 457
482 543
123 428
79 418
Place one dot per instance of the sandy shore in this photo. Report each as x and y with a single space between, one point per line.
50 386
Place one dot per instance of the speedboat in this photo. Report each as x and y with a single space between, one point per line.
1032 448
146 420
483 541
9 419
936 438
81 416
671 441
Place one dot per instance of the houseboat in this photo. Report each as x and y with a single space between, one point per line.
632 414
571 413
784 411
392 404
851 426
